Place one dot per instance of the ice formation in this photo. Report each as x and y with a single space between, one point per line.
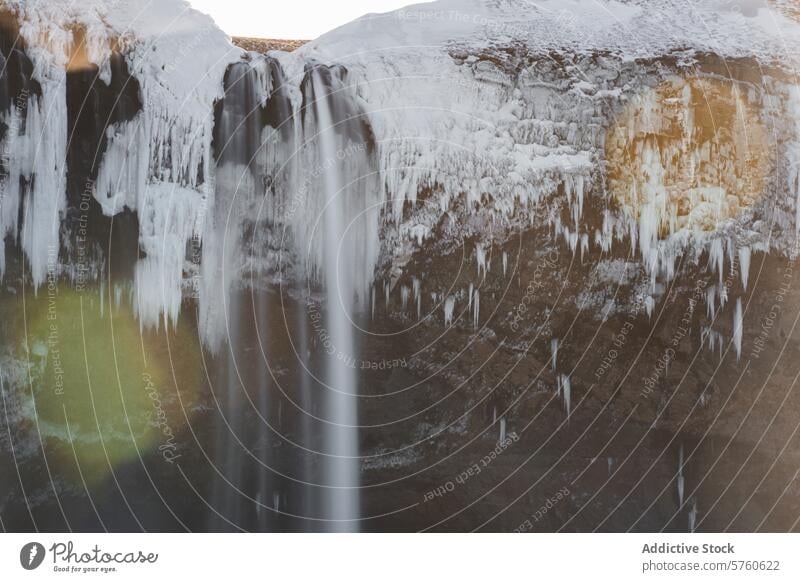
507 140
326 168
476 309
480 259
155 164
417 287
738 328
744 265
564 391
471 126
449 307
554 353
681 481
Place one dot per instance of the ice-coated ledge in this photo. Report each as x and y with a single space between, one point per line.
494 110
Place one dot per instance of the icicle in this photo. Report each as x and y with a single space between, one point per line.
723 295
737 328
416 284
584 245
502 429
372 303
476 309
505 263
716 257
731 247
449 308
610 462
554 352
711 294
744 265
471 290
693 516
566 390
680 479
386 292
480 259
579 190
34 150
405 292
670 256
649 305
793 155
572 240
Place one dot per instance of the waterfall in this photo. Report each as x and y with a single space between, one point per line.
230 317
345 277
299 164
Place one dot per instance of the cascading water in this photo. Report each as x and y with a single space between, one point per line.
295 178
220 305
342 468
345 270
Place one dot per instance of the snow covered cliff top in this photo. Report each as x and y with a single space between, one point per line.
178 52
632 28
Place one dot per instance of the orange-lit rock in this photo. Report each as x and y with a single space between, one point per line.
688 154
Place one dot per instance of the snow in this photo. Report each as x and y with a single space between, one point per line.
449 117
179 57
452 115
636 27
178 54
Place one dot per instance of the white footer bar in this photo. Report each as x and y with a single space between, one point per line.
400 557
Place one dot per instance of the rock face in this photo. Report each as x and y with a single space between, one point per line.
264 45
470 265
